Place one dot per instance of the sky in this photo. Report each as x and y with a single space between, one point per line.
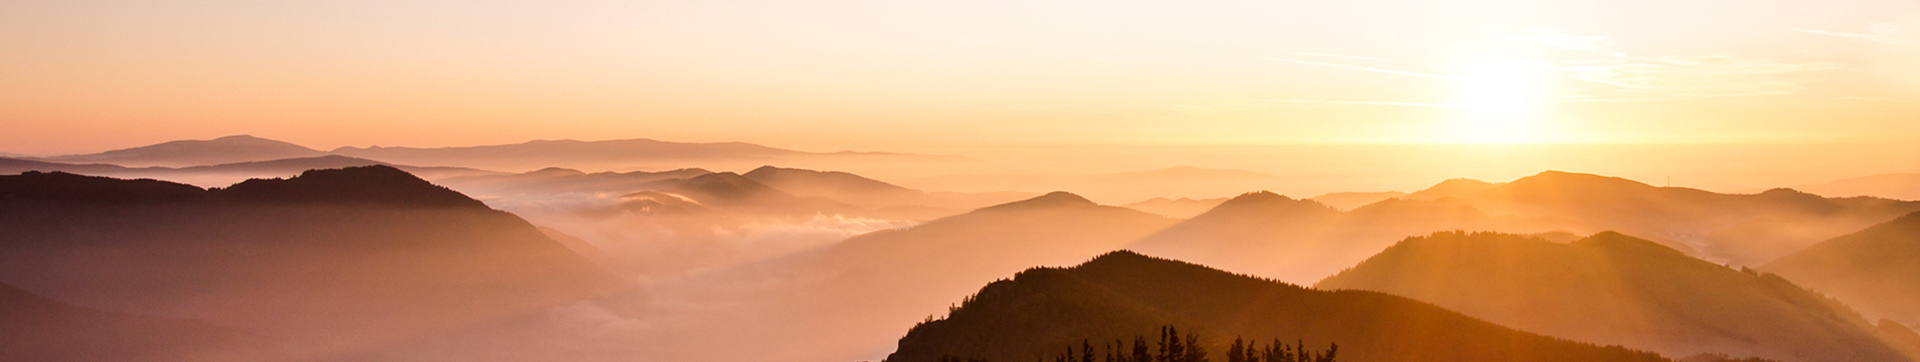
961 77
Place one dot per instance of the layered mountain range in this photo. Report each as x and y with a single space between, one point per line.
326 262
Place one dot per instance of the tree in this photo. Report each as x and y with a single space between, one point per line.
1332 349
1193 352
1140 350
1237 351
1086 351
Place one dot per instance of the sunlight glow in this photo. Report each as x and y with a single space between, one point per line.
1501 102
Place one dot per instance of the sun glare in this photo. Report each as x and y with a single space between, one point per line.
1500 102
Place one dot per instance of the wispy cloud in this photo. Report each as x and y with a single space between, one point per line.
1670 77
1886 34
1362 68
1357 103
1681 77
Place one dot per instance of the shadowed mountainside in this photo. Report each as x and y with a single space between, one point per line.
847 299
1611 288
330 261
1121 293
1876 270
34 328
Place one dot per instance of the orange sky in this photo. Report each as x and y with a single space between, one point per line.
956 76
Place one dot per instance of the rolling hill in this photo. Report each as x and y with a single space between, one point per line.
331 260
1742 229
1876 270
1121 294
34 328
847 299
1898 186
1301 241
1611 289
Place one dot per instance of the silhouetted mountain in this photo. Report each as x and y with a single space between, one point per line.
548 182
1295 240
1458 187
329 261
1352 200
1611 289
848 299
61 187
230 149
1742 229
386 186
614 154
1898 186
1876 270
1121 293
227 174
842 186
1181 208
1190 182
34 328
10 166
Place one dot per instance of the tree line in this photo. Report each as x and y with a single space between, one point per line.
1174 347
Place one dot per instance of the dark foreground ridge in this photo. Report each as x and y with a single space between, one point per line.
1118 294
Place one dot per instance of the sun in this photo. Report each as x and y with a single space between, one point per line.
1500 101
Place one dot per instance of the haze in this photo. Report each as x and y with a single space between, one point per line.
865 180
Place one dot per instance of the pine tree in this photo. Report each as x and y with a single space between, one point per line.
1194 352
1251 353
1236 352
1140 350
1110 355
1332 349
1086 351
1161 354
1176 347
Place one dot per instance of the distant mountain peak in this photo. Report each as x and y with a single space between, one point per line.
1267 202
557 171
376 184
1052 200
1615 241
1063 197
243 138
183 153
1118 256
1563 178
1458 187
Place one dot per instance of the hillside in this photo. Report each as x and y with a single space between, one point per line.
34 328
848 299
1611 288
332 259
1876 270
1302 241
1742 229
1122 293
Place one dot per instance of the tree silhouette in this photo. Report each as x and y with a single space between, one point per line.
1174 347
